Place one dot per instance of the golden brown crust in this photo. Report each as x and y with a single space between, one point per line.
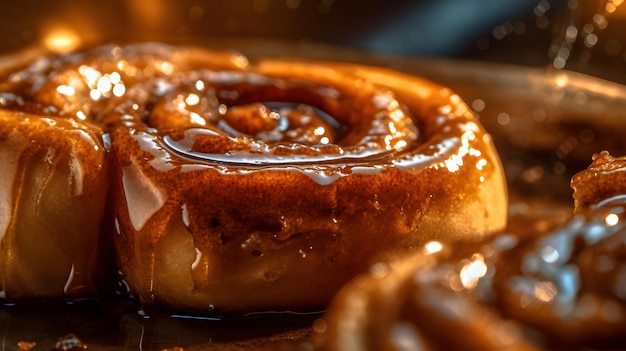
54 188
214 220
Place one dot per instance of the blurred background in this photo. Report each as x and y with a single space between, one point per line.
510 60
582 35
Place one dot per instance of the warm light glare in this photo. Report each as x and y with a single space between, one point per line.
239 60
561 81
197 119
67 90
432 247
481 164
200 85
61 40
119 90
401 144
95 95
611 219
167 67
192 99
115 78
455 162
472 271
91 75
104 85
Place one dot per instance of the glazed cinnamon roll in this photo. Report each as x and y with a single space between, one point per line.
538 286
602 180
240 186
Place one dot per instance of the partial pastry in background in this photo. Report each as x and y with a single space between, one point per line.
537 286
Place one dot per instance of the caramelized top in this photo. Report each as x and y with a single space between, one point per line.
219 108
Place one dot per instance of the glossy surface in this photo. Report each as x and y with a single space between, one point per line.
539 285
229 180
54 189
538 172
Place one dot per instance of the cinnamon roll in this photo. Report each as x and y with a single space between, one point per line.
239 186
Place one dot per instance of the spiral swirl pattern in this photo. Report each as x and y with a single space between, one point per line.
227 181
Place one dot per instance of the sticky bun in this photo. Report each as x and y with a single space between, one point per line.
229 185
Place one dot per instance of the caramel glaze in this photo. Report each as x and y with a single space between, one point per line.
239 187
602 180
537 286
54 189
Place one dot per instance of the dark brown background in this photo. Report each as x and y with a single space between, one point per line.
511 31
